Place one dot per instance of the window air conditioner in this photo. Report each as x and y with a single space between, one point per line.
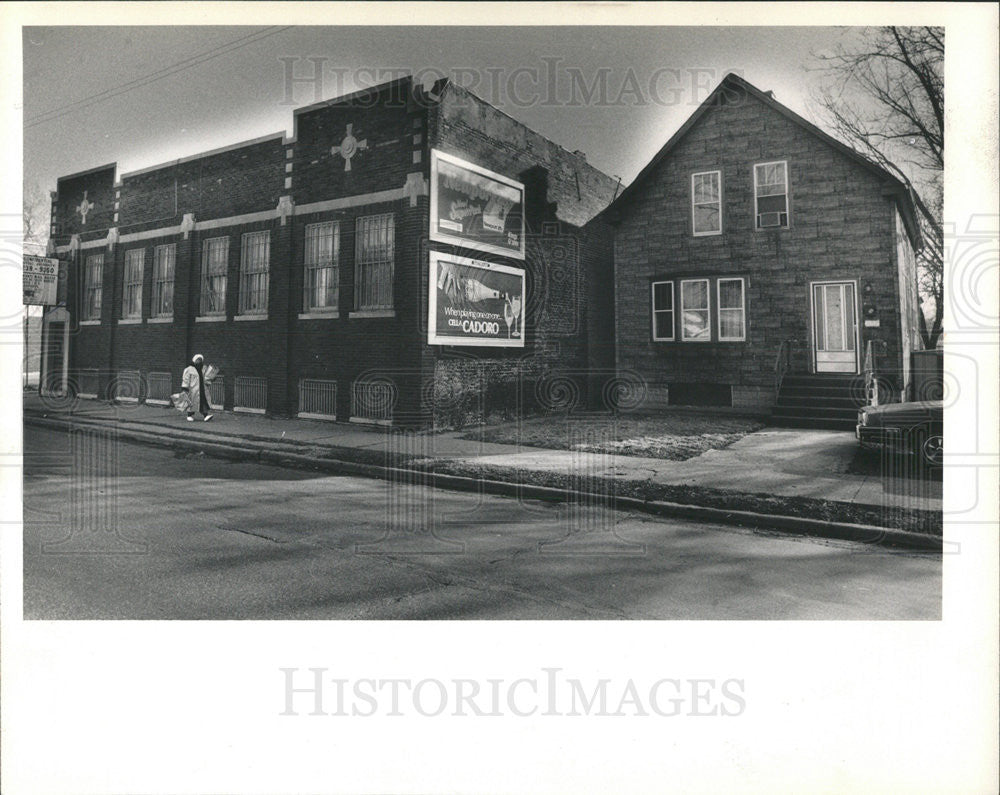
766 220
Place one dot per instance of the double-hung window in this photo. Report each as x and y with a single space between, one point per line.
321 271
254 269
135 261
695 322
163 281
663 311
732 310
93 287
375 253
214 264
706 203
770 181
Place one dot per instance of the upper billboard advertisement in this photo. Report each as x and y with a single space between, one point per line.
476 208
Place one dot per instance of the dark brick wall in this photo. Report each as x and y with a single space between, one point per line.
385 120
842 227
242 180
99 187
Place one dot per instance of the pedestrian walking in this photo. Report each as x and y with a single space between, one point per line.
194 383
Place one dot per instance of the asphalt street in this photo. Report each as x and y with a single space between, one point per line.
116 530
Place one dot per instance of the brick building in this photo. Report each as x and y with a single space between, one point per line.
758 261
408 255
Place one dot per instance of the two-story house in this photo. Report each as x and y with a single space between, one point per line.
755 254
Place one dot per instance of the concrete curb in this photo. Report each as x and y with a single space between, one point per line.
869 534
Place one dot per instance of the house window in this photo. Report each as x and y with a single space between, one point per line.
254 266
706 202
132 286
93 279
695 322
163 281
732 310
771 194
374 257
663 311
321 274
214 264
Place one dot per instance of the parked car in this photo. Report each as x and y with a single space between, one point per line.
916 427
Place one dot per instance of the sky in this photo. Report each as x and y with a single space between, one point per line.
141 96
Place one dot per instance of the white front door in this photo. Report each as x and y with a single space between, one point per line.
835 327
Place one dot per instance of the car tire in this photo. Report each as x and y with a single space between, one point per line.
932 449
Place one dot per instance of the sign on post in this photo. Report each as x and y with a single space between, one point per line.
476 208
41 280
472 302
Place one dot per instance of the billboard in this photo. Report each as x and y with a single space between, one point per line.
475 208
41 280
472 302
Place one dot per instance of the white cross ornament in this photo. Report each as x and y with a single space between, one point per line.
349 147
85 207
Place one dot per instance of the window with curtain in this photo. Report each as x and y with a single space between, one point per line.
93 287
321 274
706 203
135 260
254 269
732 310
695 314
214 265
163 281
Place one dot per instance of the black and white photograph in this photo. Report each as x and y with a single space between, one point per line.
524 383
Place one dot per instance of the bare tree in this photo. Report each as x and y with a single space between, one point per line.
884 95
35 219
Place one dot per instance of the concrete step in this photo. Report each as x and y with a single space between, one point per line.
814 411
823 423
818 401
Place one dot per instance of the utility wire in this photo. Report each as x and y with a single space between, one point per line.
167 71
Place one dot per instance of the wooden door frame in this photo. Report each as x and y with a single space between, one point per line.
812 322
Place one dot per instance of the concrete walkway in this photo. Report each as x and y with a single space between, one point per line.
781 462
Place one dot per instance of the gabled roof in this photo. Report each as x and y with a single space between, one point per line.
892 185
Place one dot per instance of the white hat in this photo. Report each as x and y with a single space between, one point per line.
197 358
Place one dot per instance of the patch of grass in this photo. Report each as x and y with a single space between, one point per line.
675 436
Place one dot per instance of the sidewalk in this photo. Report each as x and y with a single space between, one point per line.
773 471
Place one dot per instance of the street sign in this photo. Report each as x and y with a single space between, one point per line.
41 278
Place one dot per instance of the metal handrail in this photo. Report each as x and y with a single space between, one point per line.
781 364
871 377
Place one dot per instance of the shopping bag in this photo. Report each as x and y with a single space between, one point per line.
181 401
209 373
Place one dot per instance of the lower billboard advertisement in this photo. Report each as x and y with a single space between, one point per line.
472 302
